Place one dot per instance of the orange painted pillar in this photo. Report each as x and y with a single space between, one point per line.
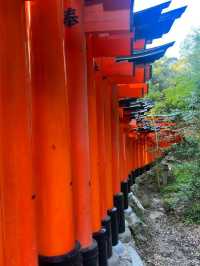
133 153
146 151
100 234
151 147
123 159
140 152
55 223
106 198
108 140
115 142
115 146
137 154
105 174
2 257
130 161
105 181
129 146
101 142
112 211
121 155
76 60
149 156
17 194
152 152
126 155
93 137
123 162
143 150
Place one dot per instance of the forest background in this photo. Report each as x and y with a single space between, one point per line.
175 89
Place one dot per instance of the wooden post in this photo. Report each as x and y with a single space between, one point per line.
55 223
100 234
93 136
75 44
115 142
76 65
105 182
108 140
17 194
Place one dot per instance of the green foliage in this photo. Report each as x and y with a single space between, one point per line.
187 150
176 88
191 52
184 190
177 190
163 73
174 80
192 214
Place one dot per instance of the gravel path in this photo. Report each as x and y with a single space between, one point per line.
171 243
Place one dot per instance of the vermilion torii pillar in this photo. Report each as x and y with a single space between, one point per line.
76 65
55 216
115 141
17 200
99 233
105 181
113 20
93 137
2 258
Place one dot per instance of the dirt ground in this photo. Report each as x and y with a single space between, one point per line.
170 242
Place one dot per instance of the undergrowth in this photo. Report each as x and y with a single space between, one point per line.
182 194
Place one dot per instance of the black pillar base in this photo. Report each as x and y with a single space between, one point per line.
130 182
140 171
119 204
151 165
90 255
148 167
73 258
131 179
106 223
144 169
124 190
101 239
137 172
114 225
133 176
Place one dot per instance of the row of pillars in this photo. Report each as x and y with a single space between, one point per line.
65 171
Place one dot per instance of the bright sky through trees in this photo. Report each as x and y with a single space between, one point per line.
181 27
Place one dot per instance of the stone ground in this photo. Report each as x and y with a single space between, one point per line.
169 242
